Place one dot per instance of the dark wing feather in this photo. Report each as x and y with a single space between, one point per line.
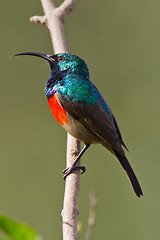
119 133
95 119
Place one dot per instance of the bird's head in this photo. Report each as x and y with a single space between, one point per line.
62 62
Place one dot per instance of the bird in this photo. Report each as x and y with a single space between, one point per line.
80 109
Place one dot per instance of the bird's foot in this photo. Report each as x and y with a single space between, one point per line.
70 169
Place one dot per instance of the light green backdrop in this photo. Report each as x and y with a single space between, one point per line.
120 41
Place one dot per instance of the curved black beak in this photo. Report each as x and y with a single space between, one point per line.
49 58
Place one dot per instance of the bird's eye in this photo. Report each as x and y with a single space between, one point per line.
60 58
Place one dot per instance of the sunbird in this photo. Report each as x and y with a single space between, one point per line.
80 109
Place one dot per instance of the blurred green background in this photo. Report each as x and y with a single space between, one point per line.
120 41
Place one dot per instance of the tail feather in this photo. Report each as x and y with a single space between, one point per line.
132 177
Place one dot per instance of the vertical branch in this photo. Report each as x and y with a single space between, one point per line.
92 215
54 19
55 26
70 206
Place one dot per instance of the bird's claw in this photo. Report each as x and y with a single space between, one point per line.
70 169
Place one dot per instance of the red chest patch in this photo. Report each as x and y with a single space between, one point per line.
57 111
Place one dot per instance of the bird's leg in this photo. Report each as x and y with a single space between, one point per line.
74 166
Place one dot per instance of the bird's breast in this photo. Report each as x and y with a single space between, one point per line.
77 130
71 125
58 112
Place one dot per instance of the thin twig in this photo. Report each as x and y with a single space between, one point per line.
54 19
92 215
65 8
39 19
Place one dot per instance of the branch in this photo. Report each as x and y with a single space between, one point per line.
92 215
54 19
39 19
65 8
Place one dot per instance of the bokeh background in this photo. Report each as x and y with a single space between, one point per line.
120 41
